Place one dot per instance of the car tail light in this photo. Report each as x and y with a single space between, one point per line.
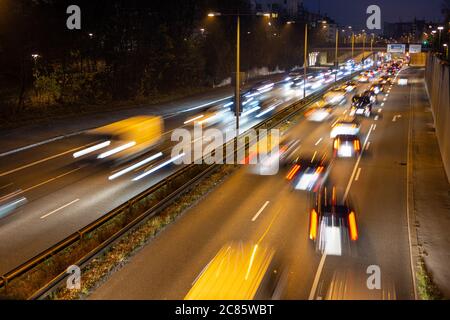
313 222
293 171
352 226
336 144
357 145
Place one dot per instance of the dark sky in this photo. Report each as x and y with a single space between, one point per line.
353 12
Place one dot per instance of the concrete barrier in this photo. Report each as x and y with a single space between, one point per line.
438 86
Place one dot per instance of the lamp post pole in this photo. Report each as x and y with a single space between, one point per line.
237 97
305 60
336 60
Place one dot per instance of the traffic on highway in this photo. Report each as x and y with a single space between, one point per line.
223 155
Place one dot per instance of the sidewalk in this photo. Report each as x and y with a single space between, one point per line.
431 192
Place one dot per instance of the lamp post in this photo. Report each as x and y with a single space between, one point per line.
305 60
440 28
237 93
336 60
364 44
353 43
446 50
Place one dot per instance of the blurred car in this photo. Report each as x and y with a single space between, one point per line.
349 86
385 80
319 112
363 77
345 126
346 146
335 96
239 271
332 225
377 88
10 203
361 105
308 173
123 140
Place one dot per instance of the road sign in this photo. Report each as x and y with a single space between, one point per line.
396 48
415 48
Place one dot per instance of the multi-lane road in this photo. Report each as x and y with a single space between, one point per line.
63 195
264 209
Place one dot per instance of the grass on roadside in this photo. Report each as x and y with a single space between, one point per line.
427 289
116 256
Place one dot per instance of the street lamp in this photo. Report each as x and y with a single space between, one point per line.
237 94
364 44
446 50
440 28
305 64
336 61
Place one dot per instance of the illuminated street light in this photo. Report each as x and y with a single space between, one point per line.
440 28
238 56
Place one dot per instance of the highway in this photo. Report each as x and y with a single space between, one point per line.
265 209
63 195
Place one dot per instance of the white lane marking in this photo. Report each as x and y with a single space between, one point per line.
39 161
376 118
49 180
59 209
134 166
368 145
384 99
357 174
394 119
345 111
374 127
260 211
382 104
379 110
317 277
349 185
322 260
6 186
39 144
387 95
319 141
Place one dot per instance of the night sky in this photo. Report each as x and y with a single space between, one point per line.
353 12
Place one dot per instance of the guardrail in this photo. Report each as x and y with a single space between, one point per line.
159 196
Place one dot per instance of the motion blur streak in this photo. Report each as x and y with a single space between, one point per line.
91 149
117 150
135 166
159 167
352 225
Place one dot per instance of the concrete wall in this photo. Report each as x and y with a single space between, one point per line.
438 86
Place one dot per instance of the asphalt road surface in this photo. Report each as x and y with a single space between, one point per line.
265 209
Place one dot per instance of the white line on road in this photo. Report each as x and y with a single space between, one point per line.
322 260
319 141
39 144
49 180
376 118
357 174
382 104
60 208
260 211
347 190
368 145
374 127
317 277
40 161
379 110
6 186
